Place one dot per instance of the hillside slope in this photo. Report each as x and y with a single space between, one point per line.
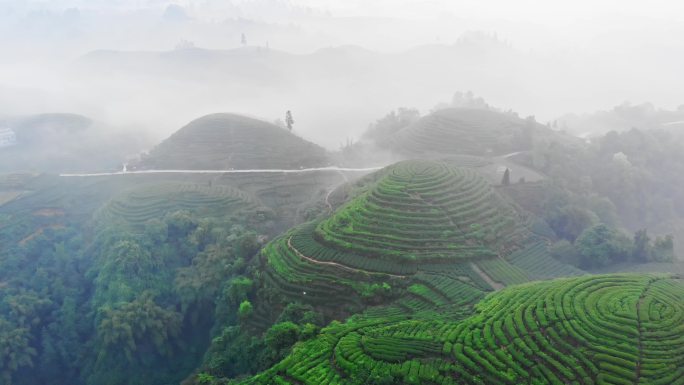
137 206
416 236
611 329
229 141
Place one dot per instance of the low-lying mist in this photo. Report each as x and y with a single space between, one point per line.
154 68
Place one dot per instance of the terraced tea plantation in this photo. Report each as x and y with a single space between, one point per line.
297 270
459 131
537 263
227 141
605 329
439 234
136 206
427 211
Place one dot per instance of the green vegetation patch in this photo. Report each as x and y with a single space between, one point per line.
426 211
607 329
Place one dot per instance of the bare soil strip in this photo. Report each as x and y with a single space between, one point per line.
495 285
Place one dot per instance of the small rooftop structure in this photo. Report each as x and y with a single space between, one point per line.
7 137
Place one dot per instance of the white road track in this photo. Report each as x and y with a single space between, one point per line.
511 154
252 171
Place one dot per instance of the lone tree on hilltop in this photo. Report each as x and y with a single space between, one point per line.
506 180
288 120
243 39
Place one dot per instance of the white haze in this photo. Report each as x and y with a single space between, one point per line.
338 65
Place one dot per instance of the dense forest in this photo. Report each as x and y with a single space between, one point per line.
109 305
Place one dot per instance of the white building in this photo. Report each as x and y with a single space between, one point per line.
7 137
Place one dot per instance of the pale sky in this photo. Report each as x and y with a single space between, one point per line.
529 24
568 56
540 11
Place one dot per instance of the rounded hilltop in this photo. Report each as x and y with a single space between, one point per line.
439 234
469 131
229 141
425 211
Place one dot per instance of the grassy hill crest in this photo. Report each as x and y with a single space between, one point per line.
230 141
471 131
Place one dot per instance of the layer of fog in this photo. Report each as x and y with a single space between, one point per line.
338 67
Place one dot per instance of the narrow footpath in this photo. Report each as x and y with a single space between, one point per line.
335 264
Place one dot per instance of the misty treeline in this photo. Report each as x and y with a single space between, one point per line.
629 180
60 142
